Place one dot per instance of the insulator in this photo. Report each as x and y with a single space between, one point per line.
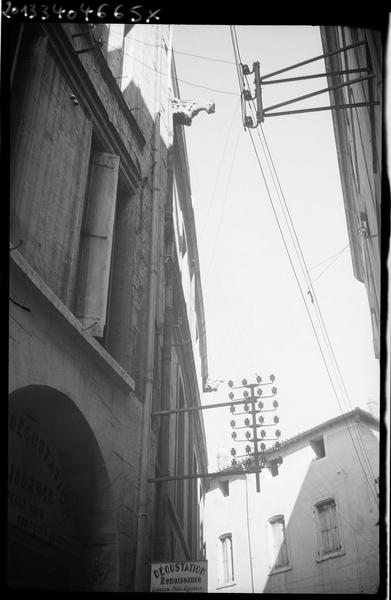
278 433
277 445
231 396
259 379
247 95
263 433
263 447
233 451
245 393
247 422
248 449
274 391
233 423
230 383
275 404
246 407
259 391
244 381
234 435
248 435
272 378
260 405
261 419
234 462
232 409
245 69
276 419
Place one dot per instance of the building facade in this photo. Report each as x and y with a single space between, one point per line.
358 135
106 314
313 528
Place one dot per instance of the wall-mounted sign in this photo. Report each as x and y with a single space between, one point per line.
37 497
180 576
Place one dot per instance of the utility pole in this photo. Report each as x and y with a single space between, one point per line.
255 454
252 399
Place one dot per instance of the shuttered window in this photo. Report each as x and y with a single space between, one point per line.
96 242
328 534
280 549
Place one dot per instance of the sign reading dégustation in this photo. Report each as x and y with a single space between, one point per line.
180 576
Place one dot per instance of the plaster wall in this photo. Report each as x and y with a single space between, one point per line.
303 481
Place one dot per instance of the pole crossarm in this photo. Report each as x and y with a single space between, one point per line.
226 473
173 411
318 108
310 60
314 76
322 91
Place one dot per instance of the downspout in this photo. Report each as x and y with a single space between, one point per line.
140 567
162 546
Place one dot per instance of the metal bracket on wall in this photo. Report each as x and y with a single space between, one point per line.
88 32
262 112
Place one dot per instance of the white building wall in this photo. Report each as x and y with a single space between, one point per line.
303 481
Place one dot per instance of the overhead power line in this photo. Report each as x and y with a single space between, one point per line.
209 58
336 254
169 74
304 270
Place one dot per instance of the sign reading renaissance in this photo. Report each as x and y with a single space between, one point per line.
180 576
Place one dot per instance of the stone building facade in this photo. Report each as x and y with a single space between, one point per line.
314 526
359 141
106 314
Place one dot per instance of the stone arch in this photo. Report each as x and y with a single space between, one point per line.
62 525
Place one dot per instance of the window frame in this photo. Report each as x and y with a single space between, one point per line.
276 567
226 570
333 552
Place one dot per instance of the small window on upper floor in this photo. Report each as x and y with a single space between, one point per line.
318 447
224 486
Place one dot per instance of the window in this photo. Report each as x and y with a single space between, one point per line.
225 559
96 242
224 486
327 528
280 549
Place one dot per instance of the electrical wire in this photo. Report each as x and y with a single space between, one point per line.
169 75
209 58
306 276
219 171
223 206
326 268
330 257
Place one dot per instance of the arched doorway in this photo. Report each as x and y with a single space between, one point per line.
61 522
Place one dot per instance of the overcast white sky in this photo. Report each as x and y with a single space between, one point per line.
256 320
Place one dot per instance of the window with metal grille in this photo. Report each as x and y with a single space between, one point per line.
280 548
328 533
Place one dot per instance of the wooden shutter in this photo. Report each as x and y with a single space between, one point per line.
97 239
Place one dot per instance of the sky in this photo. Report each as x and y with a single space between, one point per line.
256 319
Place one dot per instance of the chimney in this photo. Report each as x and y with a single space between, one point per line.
373 408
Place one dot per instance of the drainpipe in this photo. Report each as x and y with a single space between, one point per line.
140 567
161 549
